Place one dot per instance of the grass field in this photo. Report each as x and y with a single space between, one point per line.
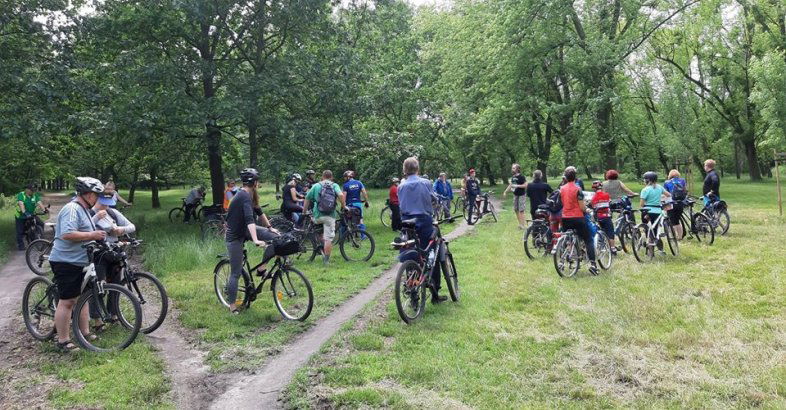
705 329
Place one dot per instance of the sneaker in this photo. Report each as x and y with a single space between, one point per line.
613 251
325 260
593 269
437 299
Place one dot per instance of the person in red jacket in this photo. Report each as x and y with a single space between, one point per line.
573 209
601 202
395 211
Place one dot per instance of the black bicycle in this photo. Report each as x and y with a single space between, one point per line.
37 256
290 288
355 244
414 275
538 237
483 206
150 292
718 213
570 251
177 214
624 220
32 230
696 225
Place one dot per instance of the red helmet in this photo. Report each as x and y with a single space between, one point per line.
612 174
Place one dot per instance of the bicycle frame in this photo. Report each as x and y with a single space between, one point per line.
654 226
271 273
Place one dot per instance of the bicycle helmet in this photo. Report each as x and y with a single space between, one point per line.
249 176
296 177
310 172
650 176
395 180
612 174
86 185
596 185
348 174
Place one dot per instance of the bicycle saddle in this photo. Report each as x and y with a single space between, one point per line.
409 222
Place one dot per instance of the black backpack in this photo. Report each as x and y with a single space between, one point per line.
326 203
679 192
554 202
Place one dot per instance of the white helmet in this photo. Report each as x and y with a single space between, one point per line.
87 184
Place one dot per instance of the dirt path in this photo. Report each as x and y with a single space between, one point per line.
261 391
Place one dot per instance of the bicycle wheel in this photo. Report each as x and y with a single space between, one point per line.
603 251
671 238
638 242
356 245
152 299
451 276
536 241
176 215
703 229
199 213
410 291
281 224
386 217
625 236
119 310
221 275
492 211
458 207
37 256
212 229
39 302
724 222
566 258
292 294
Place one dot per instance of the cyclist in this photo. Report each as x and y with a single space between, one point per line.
27 202
711 187
415 198
192 200
443 188
241 227
74 228
601 202
614 187
651 199
471 191
573 211
354 191
324 211
537 191
395 211
518 184
678 188
310 179
290 206
229 192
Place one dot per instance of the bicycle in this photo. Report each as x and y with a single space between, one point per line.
538 237
177 214
414 274
113 304
625 223
214 224
696 225
570 251
459 206
440 209
352 240
288 285
717 211
149 291
483 206
33 231
386 215
37 256
650 233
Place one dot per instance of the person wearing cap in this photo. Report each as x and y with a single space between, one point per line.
27 202
471 191
395 210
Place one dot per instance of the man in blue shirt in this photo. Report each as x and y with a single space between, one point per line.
414 196
354 190
443 188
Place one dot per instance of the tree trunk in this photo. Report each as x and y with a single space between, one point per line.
543 166
753 159
213 139
489 173
253 143
156 201
132 189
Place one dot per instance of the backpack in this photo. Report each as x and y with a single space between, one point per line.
326 203
679 192
554 202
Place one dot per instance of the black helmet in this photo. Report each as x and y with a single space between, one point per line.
87 184
650 176
249 176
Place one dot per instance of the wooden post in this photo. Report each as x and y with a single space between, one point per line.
779 157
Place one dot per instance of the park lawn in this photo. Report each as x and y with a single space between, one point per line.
705 329
184 263
7 230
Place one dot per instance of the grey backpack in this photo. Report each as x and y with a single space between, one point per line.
326 203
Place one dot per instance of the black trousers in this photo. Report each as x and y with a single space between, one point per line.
579 225
395 216
190 212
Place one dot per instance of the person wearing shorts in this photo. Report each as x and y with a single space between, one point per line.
328 221
518 184
74 228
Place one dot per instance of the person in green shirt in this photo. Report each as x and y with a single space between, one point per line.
26 203
326 219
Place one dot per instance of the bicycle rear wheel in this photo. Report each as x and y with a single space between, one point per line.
671 238
410 291
451 276
566 257
152 299
221 275
176 215
386 217
703 229
492 211
537 241
638 243
292 294
724 222
686 231
603 251
39 302
357 245
213 229
119 309
37 256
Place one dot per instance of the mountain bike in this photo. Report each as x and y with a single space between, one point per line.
624 222
440 207
570 251
650 233
718 213
37 256
355 244
149 291
177 214
414 274
696 225
483 206
538 237
290 288
32 230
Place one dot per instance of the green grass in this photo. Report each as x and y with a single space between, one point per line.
705 329
7 230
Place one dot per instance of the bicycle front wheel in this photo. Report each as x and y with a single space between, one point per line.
176 215
703 229
451 276
492 211
724 222
638 243
152 299
39 302
566 257
213 229
410 292
603 251
221 275
37 256
386 217
671 238
292 294
357 245
119 309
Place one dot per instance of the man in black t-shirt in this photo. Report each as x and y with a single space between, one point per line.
518 184
537 191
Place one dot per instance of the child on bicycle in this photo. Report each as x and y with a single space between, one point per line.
601 203
651 199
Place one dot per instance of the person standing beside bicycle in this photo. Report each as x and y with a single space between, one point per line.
242 227
471 192
310 180
573 211
110 185
27 202
651 200
355 192
395 210
538 192
678 188
711 187
443 188
414 195
518 184
68 258
192 200
325 196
